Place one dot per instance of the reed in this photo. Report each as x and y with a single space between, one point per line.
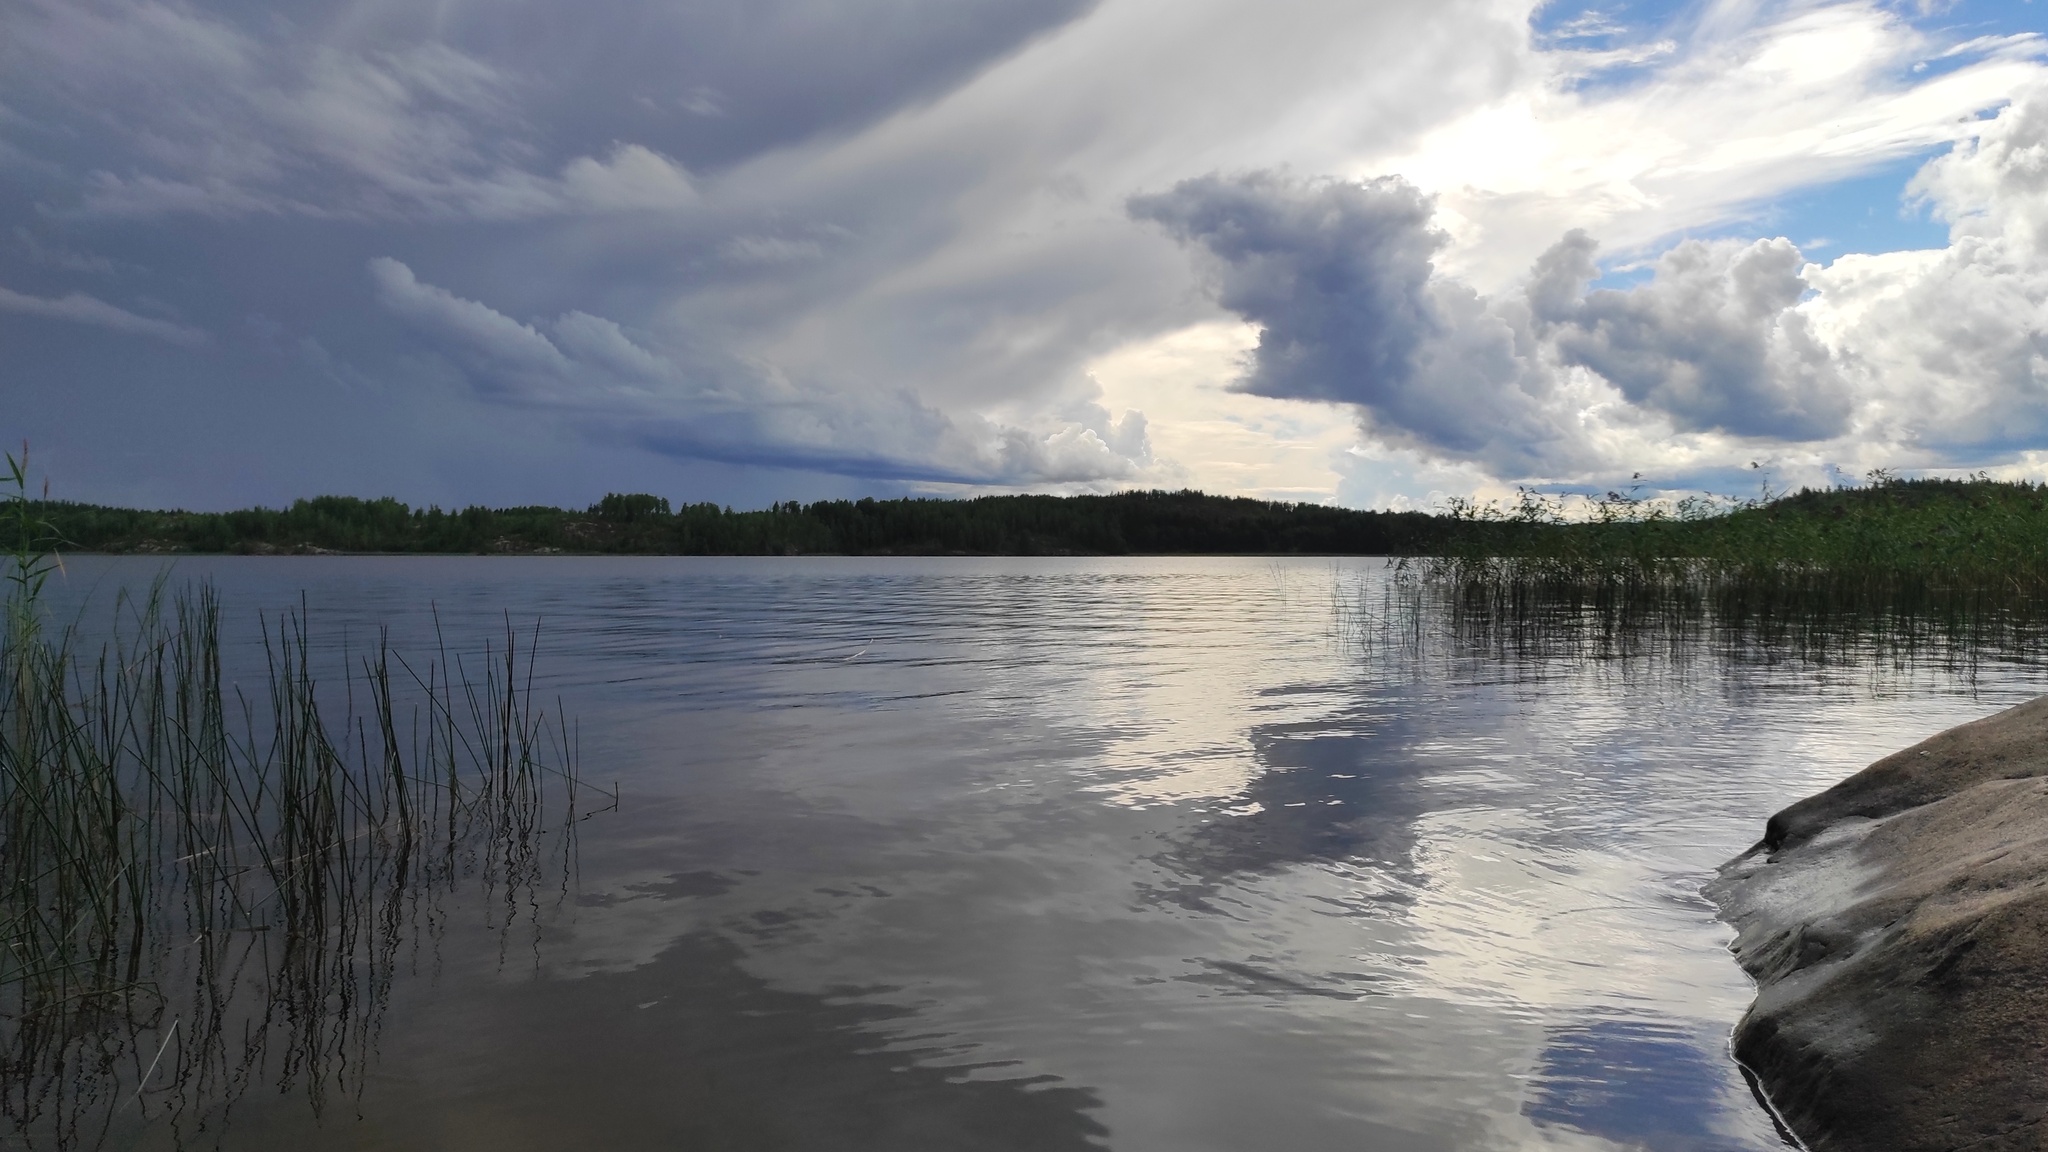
1932 533
1952 570
185 866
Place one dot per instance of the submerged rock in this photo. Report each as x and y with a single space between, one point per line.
1897 928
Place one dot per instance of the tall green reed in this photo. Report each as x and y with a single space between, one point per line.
185 866
1948 570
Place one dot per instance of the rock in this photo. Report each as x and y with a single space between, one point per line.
1897 928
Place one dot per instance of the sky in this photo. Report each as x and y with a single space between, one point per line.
1378 254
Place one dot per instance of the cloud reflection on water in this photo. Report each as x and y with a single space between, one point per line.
1160 830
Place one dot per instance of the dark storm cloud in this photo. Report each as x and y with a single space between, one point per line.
477 108
716 81
1340 278
1335 274
245 160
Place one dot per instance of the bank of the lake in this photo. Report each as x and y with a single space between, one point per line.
1914 533
1897 927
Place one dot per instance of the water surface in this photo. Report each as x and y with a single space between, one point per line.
1146 854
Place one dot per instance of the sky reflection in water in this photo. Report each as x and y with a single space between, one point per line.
1137 853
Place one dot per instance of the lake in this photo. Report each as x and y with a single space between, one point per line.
1152 854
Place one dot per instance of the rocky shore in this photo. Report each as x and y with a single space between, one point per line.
1897 928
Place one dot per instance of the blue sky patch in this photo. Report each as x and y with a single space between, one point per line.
1864 214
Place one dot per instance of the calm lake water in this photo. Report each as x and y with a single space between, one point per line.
1155 854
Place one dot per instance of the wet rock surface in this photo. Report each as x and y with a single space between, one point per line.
1897 928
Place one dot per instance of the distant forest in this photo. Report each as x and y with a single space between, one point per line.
1131 522
1979 527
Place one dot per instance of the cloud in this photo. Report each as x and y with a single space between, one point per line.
632 178
1951 346
1993 188
1755 102
1335 274
1716 341
1340 280
590 370
770 250
57 256
1729 349
1023 276
510 357
226 119
472 111
885 238
79 308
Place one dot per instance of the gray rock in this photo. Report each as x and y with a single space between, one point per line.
1897 928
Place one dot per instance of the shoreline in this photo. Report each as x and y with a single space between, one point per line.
1896 925
544 553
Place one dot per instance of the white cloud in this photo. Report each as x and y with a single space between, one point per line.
79 308
587 368
1761 101
1951 347
512 357
1993 188
631 178
1715 341
1234 441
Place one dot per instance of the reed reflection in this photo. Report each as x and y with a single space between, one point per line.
1522 609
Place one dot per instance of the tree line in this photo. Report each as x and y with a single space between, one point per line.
1976 527
1125 523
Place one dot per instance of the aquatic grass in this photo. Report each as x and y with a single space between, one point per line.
1539 608
1937 534
1934 569
194 882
